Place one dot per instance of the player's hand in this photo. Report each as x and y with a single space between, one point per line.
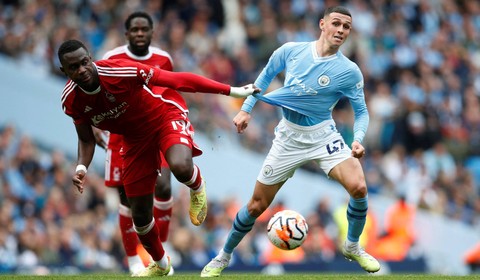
100 137
79 180
241 121
358 151
245 91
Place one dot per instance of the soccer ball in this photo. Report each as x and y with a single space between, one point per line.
287 229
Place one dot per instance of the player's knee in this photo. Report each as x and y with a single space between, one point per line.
358 190
181 169
256 207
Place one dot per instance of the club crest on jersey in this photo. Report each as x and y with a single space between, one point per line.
110 96
324 80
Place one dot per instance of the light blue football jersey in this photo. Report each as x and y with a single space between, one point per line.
313 86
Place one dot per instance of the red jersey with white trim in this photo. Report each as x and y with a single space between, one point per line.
155 57
125 102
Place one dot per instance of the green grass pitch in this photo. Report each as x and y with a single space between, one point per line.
249 276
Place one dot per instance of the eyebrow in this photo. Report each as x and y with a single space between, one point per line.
337 18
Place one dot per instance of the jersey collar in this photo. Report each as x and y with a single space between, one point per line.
136 57
321 58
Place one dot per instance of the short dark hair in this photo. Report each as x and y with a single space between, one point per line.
129 19
337 9
70 46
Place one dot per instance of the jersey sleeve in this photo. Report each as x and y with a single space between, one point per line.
354 92
182 81
275 65
67 101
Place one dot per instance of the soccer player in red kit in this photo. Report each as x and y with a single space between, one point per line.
139 31
121 96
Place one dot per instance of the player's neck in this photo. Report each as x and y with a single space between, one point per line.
138 52
324 49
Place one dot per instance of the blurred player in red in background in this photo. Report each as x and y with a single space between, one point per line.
121 96
139 31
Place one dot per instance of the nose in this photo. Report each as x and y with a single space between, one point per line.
82 69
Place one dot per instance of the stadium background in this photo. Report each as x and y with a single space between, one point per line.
421 63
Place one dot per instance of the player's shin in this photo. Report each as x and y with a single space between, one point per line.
148 235
162 211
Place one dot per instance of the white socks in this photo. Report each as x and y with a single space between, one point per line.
163 262
224 255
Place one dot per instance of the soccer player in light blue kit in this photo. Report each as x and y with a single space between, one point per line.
317 75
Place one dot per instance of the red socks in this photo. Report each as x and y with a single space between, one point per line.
129 236
162 211
196 181
148 235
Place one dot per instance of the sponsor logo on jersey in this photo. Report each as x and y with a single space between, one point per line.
324 80
110 114
87 109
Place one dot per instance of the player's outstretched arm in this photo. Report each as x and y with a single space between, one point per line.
189 82
86 149
241 121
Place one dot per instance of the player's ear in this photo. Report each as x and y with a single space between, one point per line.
63 71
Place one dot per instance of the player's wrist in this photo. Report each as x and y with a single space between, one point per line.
81 167
242 92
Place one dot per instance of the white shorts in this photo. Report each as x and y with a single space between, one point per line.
294 145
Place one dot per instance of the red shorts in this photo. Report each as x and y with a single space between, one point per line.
114 161
142 157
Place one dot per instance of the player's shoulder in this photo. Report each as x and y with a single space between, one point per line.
115 63
295 44
116 52
114 68
294 48
68 92
158 51
347 63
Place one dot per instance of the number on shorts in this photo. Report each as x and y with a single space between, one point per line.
335 146
183 126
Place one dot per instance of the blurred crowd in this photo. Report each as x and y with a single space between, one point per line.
421 64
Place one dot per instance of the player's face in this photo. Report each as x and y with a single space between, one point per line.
78 66
139 35
336 28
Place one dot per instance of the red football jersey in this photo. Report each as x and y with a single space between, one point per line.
155 57
125 102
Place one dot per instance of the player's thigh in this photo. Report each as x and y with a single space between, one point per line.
163 188
349 173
